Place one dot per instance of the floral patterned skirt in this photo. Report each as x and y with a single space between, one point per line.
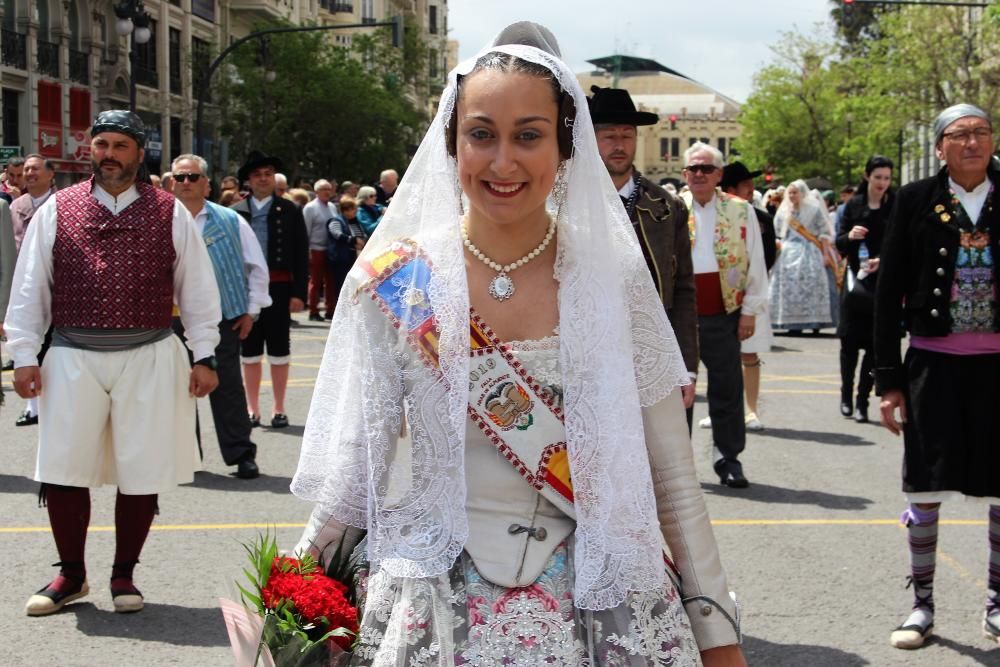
460 618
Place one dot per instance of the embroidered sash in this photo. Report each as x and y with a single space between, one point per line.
830 256
505 401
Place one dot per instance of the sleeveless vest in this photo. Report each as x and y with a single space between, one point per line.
222 239
730 245
113 271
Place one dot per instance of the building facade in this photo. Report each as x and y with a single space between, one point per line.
62 61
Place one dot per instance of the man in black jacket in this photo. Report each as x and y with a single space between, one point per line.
281 231
939 278
660 219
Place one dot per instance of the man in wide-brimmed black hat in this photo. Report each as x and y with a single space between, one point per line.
738 180
281 231
660 218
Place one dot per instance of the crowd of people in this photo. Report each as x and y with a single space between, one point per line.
521 214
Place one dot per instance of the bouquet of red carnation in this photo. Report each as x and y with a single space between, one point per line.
304 618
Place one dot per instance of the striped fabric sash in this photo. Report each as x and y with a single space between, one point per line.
505 401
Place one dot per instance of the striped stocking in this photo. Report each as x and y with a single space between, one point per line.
993 599
922 529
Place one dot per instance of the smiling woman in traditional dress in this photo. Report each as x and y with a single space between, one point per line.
497 405
799 291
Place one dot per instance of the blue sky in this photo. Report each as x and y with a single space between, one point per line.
718 42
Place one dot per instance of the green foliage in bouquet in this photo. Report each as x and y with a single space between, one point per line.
308 618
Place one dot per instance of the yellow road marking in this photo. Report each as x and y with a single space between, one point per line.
717 522
824 392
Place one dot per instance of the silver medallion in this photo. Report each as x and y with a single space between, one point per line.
502 287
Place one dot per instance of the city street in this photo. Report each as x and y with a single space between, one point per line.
813 548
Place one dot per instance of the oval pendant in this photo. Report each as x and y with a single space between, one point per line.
502 287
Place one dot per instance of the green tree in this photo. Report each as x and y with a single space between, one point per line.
857 24
929 58
324 114
791 119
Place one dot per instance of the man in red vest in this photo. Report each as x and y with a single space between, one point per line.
104 261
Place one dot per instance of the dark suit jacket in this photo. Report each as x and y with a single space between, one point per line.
661 222
287 241
766 223
917 269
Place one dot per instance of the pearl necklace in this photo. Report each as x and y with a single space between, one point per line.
502 286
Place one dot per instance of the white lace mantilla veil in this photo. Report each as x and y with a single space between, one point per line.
610 321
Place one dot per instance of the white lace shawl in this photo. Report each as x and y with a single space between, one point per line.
409 492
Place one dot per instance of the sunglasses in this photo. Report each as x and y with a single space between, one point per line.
180 178
701 168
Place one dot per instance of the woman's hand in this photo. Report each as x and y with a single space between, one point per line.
873 265
857 233
723 656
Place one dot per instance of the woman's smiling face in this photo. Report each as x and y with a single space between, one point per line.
507 145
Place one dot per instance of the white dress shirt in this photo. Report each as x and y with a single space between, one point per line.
973 201
30 312
704 260
627 189
254 264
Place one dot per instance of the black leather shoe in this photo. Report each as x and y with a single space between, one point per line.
861 415
845 409
734 479
247 469
730 474
315 317
279 421
26 419
254 420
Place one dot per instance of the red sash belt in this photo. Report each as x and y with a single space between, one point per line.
708 291
281 276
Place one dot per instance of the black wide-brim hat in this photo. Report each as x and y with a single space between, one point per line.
255 160
736 173
614 106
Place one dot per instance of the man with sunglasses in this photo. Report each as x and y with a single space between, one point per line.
659 219
939 276
731 286
242 277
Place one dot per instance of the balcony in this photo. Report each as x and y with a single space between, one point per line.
342 7
267 9
79 66
14 49
48 59
368 20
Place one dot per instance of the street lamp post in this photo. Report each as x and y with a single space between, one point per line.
132 20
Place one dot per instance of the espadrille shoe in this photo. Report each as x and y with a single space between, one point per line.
914 631
128 600
49 600
991 625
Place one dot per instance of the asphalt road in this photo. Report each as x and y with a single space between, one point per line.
813 547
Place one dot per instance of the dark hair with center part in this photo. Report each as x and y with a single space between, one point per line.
874 162
503 62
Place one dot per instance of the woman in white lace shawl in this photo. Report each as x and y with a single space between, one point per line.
495 407
799 293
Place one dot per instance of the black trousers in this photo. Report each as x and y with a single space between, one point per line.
719 348
229 400
850 347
